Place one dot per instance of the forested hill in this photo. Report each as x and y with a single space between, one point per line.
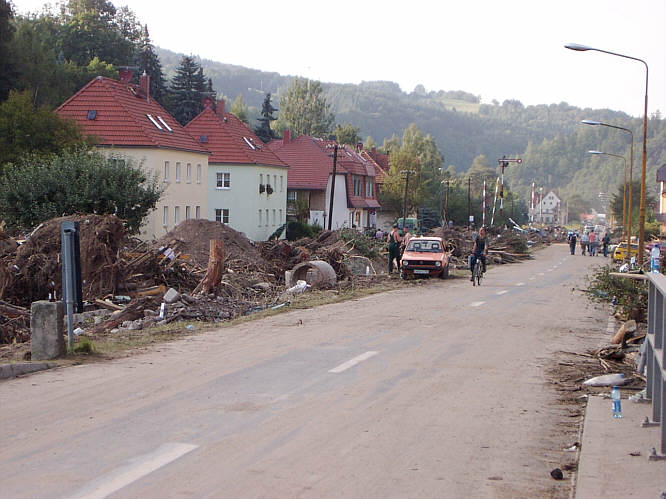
549 138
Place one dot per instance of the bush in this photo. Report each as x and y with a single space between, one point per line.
298 230
631 294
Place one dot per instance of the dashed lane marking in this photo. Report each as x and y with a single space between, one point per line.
476 303
136 469
520 284
504 291
351 363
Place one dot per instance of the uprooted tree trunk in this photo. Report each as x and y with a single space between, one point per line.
215 268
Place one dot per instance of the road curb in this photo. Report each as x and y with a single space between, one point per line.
13 370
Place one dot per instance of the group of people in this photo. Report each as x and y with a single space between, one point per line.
396 246
589 243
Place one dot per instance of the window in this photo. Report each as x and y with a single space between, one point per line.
291 195
369 184
222 215
166 171
261 179
197 212
280 220
165 216
281 184
188 215
357 182
176 215
188 173
161 120
274 182
152 120
266 217
273 217
177 172
259 218
223 180
198 174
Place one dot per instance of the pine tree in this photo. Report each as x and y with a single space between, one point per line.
187 90
148 62
305 110
264 130
8 70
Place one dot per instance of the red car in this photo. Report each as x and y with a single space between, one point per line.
424 257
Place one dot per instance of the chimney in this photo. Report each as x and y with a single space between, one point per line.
286 137
359 146
220 108
125 75
144 85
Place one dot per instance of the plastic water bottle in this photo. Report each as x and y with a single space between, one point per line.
654 259
617 404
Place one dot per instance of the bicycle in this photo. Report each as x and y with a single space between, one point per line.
477 272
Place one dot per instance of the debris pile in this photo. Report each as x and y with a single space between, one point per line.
130 278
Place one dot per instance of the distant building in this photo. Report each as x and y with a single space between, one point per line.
549 210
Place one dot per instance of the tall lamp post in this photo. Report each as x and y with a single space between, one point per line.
641 218
625 229
624 196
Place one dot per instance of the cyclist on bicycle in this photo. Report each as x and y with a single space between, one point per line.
480 251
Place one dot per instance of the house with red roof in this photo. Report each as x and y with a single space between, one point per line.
128 123
311 178
247 182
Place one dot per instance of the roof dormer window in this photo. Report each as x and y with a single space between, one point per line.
164 123
92 114
154 122
249 143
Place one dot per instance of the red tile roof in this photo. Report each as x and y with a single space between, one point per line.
230 140
121 117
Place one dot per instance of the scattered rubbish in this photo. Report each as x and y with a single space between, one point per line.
624 268
162 311
78 331
606 380
573 448
189 327
298 288
639 397
557 474
636 453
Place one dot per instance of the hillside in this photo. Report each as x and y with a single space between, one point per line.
548 136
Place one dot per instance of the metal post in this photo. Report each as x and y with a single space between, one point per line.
330 205
447 201
404 205
469 200
68 282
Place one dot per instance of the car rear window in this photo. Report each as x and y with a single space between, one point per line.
429 246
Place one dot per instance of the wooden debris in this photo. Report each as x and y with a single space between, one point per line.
215 269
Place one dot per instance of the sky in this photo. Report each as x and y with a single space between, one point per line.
498 50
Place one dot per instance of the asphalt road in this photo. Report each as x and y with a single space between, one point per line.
432 391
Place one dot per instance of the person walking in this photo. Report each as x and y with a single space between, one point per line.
605 241
572 243
405 240
584 241
592 244
394 248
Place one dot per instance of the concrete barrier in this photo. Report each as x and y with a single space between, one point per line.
46 330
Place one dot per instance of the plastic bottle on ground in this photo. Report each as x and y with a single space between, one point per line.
617 404
654 259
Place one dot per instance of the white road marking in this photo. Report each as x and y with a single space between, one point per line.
476 303
520 284
532 278
136 469
549 270
504 291
541 273
353 362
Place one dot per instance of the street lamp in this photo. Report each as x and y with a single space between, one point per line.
626 229
624 194
641 219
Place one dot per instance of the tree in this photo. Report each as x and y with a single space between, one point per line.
305 110
148 62
39 188
187 90
239 109
347 134
617 203
25 128
478 172
577 205
264 130
8 70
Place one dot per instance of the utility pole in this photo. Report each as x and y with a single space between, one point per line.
405 174
330 206
446 215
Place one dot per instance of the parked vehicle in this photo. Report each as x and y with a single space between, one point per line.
620 252
412 224
425 257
